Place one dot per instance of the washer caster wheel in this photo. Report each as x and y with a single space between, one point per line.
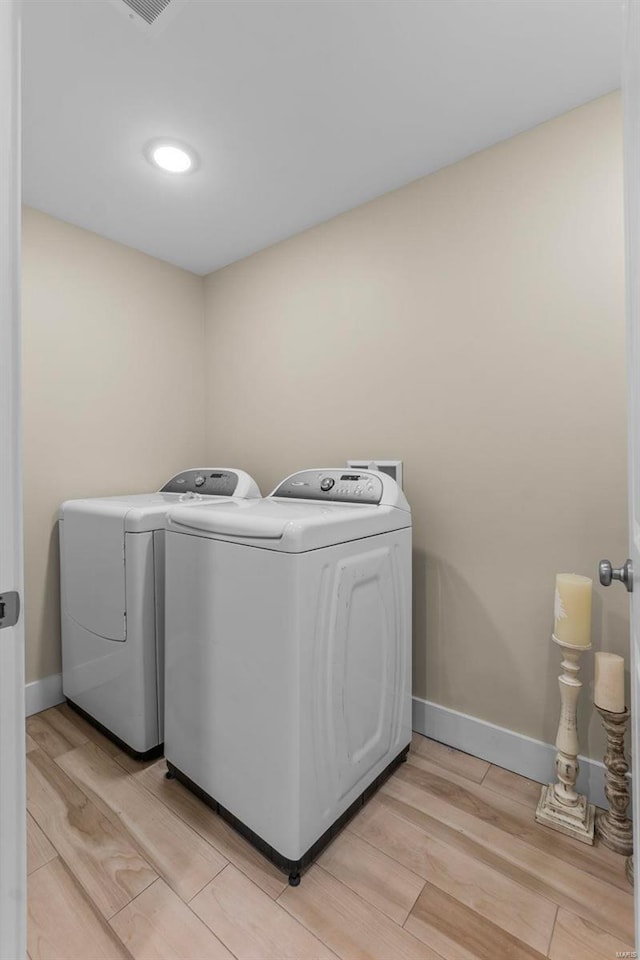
294 879
169 775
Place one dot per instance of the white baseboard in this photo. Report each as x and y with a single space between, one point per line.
514 751
42 694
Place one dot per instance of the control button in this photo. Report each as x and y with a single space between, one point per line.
327 483
199 480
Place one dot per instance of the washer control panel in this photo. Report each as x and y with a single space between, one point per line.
340 486
206 481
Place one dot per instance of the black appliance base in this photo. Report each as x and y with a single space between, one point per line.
140 755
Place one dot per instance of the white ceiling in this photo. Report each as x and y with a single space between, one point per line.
299 109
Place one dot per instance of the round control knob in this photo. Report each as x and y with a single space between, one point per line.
199 480
326 483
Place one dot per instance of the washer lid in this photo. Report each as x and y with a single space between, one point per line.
286 526
145 516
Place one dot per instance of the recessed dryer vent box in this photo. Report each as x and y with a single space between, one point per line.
393 468
150 16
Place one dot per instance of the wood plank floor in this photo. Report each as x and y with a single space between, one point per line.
445 862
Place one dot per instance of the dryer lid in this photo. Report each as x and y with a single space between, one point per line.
146 511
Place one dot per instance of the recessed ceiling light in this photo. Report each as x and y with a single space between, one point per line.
170 156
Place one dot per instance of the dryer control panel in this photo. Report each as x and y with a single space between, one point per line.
207 480
341 486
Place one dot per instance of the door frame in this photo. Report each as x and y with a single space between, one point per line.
13 842
631 134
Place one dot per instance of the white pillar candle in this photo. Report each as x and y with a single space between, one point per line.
572 609
608 689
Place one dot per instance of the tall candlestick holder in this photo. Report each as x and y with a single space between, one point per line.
613 827
560 806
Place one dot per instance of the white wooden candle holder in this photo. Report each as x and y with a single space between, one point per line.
560 806
613 826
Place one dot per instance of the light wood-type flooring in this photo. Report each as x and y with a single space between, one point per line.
445 861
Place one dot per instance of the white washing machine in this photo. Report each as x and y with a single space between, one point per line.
288 655
112 602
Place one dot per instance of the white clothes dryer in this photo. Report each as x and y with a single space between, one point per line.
288 655
112 602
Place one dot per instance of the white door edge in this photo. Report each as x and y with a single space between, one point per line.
12 702
631 99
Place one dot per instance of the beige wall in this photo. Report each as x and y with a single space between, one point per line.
113 391
470 324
